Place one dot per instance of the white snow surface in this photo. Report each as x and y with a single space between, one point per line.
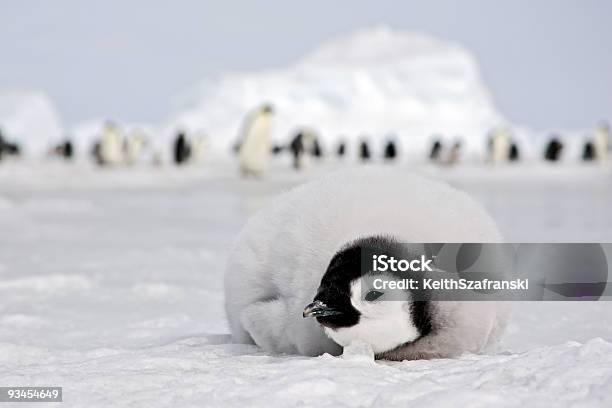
29 118
367 84
111 285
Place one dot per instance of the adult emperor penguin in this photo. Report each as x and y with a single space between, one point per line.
588 151
109 151
297 258
390 150
304 143
499 145
436 150
364 150
255 146
601 142
317 149
454 154
553 149
181 149
341 148
133 147
199 147
65 150
514 154
8 148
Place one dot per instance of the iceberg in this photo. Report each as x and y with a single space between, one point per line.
30 119
368 84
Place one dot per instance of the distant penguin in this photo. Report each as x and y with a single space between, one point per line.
277 149
341 149
199 146
1 145
305 143
255 147
436 150
454 154
182 149
96 153
64 150
601 142
588 152
68 149
364 151
499 145
133 147
236 147
317 150
7 148
109 150
297 150
513 154
390 151
301 294
553 150
12 149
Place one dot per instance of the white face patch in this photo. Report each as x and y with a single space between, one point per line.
384 325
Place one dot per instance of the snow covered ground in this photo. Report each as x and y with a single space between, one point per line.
111 286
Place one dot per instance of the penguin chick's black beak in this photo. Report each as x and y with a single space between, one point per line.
319 309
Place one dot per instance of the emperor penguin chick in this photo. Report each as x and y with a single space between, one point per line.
300 257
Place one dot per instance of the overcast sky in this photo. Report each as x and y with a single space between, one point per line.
547 63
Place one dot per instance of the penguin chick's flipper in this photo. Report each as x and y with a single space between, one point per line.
429 347
450 339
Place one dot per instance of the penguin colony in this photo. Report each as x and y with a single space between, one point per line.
254 147
502 147
113 148
292 283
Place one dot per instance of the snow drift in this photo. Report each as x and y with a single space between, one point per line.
29 118
371 83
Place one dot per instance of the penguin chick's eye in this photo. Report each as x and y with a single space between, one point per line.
373 295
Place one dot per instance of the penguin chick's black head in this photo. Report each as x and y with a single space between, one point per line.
332 306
